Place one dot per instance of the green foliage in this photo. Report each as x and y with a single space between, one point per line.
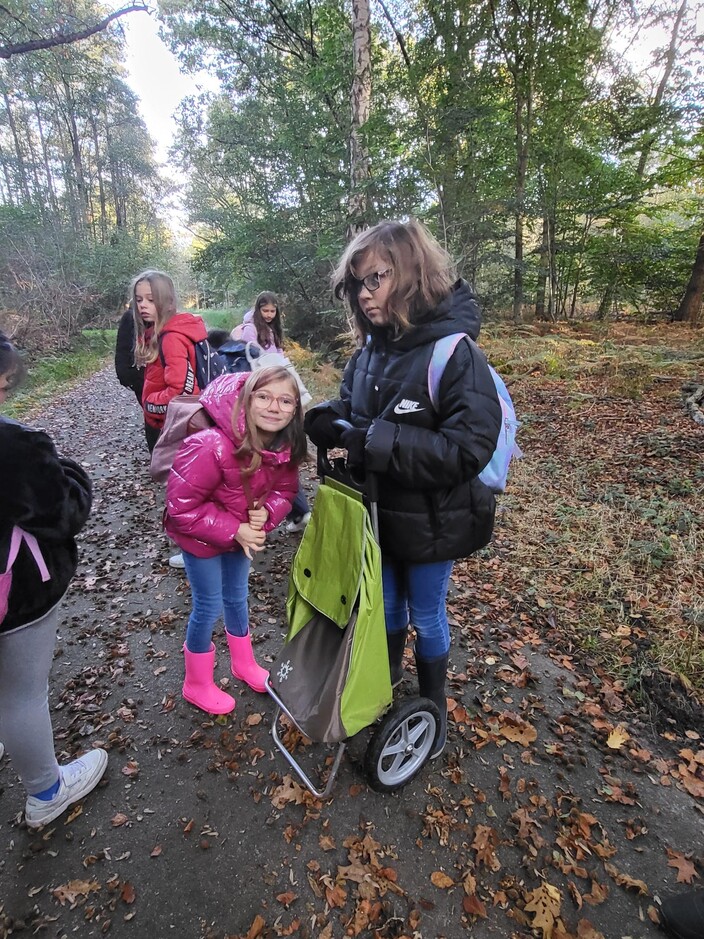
80 192
486 120
221 319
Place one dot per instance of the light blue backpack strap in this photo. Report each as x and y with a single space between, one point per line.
442 353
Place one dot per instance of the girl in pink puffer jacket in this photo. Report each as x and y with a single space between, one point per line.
229 486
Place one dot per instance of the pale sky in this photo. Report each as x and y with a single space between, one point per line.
154 76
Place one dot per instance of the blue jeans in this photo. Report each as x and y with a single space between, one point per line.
416 594
218 587
299 506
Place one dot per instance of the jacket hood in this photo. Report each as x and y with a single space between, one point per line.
219 399
458 312
188 325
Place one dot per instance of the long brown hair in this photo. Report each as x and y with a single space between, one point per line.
250 443
276 325
164 297
423 273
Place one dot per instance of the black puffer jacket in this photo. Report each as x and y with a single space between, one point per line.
50 497
432 507
128 374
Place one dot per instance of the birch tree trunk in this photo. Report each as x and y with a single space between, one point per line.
360 98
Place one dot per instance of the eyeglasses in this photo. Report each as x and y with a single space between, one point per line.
264 400
372 281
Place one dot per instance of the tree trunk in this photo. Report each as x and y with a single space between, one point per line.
74 136
541 287
51 191
360 97
606 302
101 183
523 116
689 310
21 180
116 186
8 195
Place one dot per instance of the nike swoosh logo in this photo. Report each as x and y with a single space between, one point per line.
407 408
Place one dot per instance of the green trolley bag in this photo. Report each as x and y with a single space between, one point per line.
332 674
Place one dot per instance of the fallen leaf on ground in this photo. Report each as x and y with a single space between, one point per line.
74 890
686 871
441 880
544 902
617 738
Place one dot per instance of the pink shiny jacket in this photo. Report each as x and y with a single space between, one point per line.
205 501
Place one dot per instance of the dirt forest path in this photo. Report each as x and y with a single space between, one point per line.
557 809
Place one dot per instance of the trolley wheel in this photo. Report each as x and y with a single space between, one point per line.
401 744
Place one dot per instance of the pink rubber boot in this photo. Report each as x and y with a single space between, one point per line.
242 662
199 688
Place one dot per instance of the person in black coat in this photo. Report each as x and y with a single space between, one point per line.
128 374
401 289
45 500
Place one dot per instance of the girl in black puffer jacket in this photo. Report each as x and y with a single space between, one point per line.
400 286
44 502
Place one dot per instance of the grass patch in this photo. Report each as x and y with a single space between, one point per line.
226 318
48 376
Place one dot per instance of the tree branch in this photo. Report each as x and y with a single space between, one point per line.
62 39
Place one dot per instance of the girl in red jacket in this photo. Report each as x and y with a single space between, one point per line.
229 485
164 345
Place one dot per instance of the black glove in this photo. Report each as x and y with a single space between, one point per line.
320 428
353 440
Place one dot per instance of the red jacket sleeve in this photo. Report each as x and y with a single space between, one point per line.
179 374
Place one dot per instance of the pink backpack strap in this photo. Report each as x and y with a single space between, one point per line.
18 536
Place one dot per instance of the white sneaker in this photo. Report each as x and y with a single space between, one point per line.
2 750
299 525
177 561
76 780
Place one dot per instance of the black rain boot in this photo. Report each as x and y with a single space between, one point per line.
683 915
397 644
432 674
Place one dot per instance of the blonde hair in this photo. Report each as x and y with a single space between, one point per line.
423 273
164 297
250 444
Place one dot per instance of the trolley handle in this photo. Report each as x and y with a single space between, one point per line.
368 483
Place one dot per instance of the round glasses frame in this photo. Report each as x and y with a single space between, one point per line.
286 403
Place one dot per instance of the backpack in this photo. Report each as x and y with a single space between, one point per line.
495 473
236 355
209 364
18 536
185 415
